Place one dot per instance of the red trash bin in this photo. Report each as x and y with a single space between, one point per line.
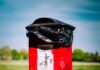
50 44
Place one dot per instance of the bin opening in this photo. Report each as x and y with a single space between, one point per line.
45 46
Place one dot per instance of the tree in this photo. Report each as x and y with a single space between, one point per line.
88 57
5 53
96 57
24 53
78 55
16 55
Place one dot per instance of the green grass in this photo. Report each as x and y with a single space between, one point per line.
25 67
13 67
86 67
76 66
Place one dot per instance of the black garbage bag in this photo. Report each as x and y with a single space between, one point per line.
51 31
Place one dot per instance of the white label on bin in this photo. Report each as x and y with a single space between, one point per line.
45 60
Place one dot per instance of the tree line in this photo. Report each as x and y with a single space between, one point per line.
6 53
80 55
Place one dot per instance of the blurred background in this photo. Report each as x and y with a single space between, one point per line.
15 15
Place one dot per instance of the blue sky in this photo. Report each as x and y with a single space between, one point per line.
83 14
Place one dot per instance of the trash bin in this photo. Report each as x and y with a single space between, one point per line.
50 44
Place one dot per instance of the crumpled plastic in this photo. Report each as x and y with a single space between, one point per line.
55 34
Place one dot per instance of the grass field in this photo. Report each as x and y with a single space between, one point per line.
13 67
24 66
86 67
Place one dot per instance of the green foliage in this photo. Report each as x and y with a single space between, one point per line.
88 57
24 54
78 55
5 53
16 55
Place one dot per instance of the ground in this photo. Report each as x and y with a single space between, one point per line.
86 66
23 65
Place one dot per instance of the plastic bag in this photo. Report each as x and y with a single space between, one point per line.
51 31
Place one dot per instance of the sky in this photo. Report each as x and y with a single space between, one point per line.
15 15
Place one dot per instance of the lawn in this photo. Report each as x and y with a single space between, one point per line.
13 67
24 66
86 67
